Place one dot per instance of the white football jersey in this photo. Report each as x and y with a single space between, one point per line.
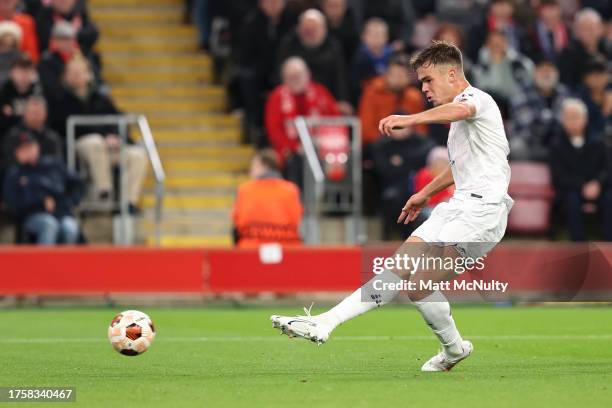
478 150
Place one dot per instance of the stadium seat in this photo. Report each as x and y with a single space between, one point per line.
531 189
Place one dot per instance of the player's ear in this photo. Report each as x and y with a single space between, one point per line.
452 74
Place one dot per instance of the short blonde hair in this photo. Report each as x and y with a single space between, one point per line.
438 53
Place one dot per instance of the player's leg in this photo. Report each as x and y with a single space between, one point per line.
433 305
474 229
369 296
318 328
436 311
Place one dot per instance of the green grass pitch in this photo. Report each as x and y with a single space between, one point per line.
215 357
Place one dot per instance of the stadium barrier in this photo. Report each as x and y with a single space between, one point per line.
543 267
101 270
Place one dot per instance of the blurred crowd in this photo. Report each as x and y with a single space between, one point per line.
49 70
546 63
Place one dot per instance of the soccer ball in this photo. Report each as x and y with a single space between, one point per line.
131 332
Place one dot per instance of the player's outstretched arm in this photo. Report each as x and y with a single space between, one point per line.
417 201
447 113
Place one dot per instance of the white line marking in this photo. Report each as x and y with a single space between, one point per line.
510 337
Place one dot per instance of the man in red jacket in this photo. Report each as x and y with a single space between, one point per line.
297 96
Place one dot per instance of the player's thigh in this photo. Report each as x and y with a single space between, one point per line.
429 230
431 258
476 229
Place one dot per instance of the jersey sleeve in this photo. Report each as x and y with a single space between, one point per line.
470 97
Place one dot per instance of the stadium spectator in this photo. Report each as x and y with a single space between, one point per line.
588 43
33 7
387 94
424 31
450 33
197 12
267 208
300 6
398 14
10 39
62 48
22 83
226 19
262 31
298 95
437 162
533 110
603 7
396 161
341 24
33 125
97 146
322 52
548 36
423 7
66 11
596 93
41 194
501 69
468 14
29 37
500 18
453 34
372 56
580 171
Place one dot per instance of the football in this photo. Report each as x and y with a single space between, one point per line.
131 332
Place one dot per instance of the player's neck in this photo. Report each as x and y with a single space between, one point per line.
459 87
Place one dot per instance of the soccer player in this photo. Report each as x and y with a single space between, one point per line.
469 225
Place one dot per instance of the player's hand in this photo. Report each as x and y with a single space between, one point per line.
402 133
413 208
386 125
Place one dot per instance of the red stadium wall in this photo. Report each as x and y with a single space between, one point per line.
107 270
67 271
300 270
91 270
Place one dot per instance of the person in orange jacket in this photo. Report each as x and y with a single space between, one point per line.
267 208
391 93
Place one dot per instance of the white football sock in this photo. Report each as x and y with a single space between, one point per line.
435 309
362 300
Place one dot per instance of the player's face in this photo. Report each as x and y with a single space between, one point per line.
436 83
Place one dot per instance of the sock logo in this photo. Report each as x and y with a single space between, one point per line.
377 298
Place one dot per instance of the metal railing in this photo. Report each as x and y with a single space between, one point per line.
122 122
315 184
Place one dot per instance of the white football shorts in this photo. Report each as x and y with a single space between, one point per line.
473 226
